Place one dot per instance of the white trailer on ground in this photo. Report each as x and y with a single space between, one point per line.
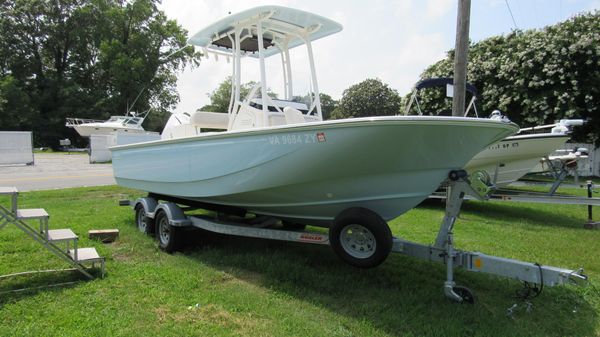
368 244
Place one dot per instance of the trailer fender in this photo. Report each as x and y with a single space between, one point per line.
149 205
174 213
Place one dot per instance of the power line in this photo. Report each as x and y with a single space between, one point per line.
511 14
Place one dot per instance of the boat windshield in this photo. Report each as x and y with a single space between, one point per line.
134 121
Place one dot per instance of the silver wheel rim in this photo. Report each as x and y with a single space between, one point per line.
141 220
164 231
358 241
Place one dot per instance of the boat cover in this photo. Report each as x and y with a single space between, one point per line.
441 81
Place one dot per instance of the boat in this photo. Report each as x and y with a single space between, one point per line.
130 123
569 159
279 158
510 159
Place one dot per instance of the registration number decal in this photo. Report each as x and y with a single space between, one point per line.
504 146
297 138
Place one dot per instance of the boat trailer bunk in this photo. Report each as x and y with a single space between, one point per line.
514 195
169 218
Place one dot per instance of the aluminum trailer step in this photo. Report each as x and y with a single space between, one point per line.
48 238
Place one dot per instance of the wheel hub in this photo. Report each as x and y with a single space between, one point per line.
358 241
142 224
164 232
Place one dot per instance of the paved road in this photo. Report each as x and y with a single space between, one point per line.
52 171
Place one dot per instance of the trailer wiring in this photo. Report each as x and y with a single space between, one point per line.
529 290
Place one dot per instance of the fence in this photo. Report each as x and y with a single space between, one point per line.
100 144
16 147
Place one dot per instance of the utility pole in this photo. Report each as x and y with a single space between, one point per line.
461 50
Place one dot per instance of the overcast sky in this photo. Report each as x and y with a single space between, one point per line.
394 40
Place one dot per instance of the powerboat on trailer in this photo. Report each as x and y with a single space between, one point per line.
510 159
278 158
515 156
130 123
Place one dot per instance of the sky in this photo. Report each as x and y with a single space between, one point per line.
393 40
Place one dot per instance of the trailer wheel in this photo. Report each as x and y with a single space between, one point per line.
169 237
143 222
465 293
360 237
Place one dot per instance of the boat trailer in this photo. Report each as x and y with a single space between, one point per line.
514 195
170 218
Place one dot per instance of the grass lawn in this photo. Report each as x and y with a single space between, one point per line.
228 286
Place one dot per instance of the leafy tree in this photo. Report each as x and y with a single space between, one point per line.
328 105
535 76
370 97
87 58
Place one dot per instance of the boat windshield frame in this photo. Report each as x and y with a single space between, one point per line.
440 82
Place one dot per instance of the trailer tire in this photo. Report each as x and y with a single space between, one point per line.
360 237
169 237
142 221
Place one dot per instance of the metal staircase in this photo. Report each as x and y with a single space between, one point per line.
60 242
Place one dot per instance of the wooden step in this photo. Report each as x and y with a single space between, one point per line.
61 235
86 255
32 213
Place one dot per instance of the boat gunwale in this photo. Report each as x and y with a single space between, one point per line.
341 123
536 136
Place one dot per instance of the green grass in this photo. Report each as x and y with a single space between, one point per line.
250 287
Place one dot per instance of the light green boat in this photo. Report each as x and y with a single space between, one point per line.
279 158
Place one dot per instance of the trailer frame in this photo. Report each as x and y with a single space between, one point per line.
441 251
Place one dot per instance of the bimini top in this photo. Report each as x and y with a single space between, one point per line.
279 24
441 81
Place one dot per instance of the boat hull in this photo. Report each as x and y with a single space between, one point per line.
88 130
515 156
311 172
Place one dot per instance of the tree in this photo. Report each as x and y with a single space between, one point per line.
328 104
87 58
220 97
370 97
535 76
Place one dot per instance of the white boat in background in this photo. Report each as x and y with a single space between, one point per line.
279 158
513 157
130 123
510 159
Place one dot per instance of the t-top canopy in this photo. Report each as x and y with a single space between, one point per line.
279 24
441 81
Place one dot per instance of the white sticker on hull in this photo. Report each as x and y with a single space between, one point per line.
500 146
296 138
